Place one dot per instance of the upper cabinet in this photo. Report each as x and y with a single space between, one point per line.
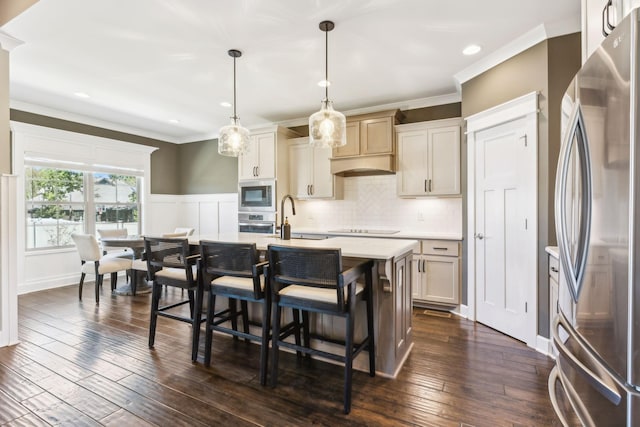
259 161
369 134
309 172
370 144
428 161
263 156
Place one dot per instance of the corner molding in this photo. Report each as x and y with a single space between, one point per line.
8 42
538 34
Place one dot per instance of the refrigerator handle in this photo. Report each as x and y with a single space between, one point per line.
574 273
572 396
605 19
608 390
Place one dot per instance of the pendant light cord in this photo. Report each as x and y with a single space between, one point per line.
326 65
235 116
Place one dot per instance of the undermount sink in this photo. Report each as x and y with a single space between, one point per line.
306 237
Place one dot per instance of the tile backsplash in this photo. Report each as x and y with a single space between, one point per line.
371 202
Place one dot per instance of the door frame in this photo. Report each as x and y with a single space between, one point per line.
525 106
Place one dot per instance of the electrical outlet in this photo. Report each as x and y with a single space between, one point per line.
420 216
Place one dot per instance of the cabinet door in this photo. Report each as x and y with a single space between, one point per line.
412 163
376 136
353 142
266 161
442 279
400 301
299 170
417 277
444 160
595 300
322 183
248 161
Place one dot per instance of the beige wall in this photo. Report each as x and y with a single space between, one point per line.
546 68
9 9
203 171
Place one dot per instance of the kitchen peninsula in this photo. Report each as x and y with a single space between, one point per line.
391 289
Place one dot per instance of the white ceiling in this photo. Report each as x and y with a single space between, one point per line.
145 62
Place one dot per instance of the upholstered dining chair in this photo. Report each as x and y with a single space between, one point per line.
233 270
312 280
186 230
112 250
94 262
170 264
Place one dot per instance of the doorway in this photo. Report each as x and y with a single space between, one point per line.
502 218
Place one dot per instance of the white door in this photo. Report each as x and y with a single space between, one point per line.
505 240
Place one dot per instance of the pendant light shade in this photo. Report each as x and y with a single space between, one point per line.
327 127
233 139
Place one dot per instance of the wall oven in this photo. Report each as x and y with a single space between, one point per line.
257 196
257 222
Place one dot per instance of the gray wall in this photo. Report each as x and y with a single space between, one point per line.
171 170
546 68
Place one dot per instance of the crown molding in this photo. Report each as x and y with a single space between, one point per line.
8 42
402 105
540 33
87 120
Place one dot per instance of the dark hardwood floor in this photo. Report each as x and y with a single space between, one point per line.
80 364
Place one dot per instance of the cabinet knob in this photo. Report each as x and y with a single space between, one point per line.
479 236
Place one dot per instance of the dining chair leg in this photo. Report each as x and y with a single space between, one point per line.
371 345
245 318
155 302
82 276
264 348
98 282
348 362
114 281
134 281
208 330
306 337
233 313
297 326
275 336
197 316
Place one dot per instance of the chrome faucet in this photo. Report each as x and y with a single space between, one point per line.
293 210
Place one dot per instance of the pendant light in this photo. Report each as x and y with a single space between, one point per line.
327 127
233 138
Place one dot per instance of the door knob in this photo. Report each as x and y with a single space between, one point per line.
479 236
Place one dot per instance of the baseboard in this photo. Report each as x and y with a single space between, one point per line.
462 311
543 345
57 282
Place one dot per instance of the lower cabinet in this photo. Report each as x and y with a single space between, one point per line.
436 273
554 303
402 309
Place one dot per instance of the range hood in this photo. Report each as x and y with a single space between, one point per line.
364 165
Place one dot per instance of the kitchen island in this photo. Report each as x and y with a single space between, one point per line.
391 291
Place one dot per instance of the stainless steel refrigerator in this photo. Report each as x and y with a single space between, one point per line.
596 380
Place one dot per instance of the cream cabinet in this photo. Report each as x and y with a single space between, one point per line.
428 162
259 161
267 156
402 305
370 134
436 273
310 172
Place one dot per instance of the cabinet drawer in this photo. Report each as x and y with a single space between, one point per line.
554 268
441 247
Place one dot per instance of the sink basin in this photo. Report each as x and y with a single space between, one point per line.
305 237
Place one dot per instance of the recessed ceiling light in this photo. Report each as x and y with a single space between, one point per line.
81 94
225 104
174 121
472 49
324 83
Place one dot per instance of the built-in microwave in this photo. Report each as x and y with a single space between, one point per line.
257 196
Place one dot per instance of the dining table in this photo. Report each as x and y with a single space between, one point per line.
136 243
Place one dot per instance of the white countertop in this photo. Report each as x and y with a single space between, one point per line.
402 234
553 251
354 247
